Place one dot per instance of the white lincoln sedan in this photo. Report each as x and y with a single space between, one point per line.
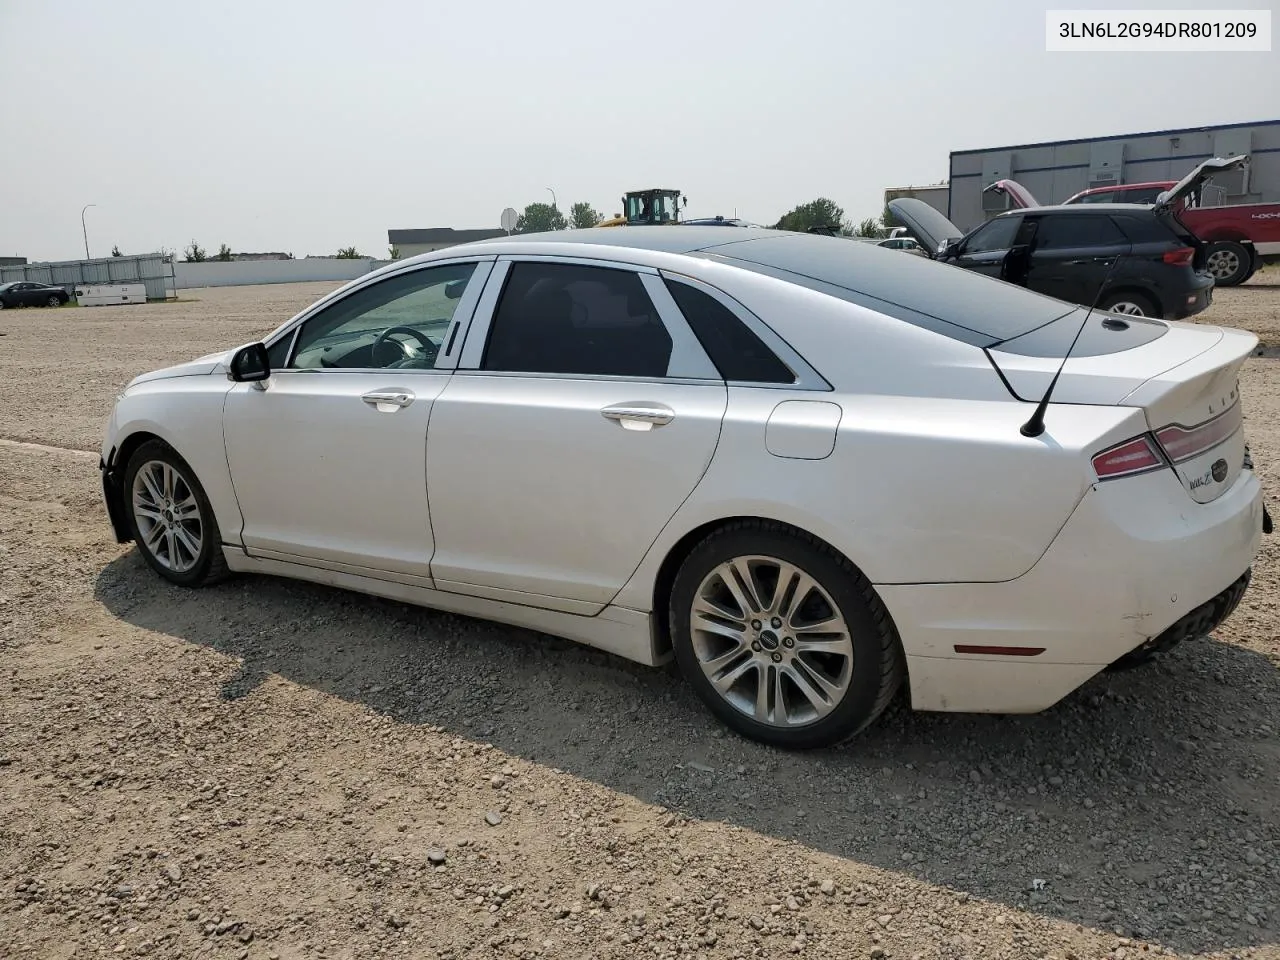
811 471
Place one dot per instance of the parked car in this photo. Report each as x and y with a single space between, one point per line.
28 293
807 469
1239 238
1124 258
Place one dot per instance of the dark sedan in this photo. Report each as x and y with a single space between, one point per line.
28 293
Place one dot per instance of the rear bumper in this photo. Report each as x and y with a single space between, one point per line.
1194 300
1136 560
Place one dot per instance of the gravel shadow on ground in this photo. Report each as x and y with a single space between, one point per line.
1144 802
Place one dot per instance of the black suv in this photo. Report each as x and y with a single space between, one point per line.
1126 258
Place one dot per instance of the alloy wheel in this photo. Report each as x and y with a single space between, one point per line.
1222 264
772 641
168 516
1128 308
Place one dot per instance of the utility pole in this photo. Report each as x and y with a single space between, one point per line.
85 229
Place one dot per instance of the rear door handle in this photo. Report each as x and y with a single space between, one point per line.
641 415
388 398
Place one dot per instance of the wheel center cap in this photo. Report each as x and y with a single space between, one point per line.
769 640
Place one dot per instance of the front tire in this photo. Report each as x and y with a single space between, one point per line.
53 302
782 638
1228 262
170 517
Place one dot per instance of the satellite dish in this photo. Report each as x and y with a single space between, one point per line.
509 218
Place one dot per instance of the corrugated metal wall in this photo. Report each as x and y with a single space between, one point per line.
1055 171
153 270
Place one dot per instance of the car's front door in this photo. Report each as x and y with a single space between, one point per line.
1073 254
984 250
583 413
328 455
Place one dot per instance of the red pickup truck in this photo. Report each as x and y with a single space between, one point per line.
1239 237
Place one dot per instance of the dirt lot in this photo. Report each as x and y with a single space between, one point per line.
272 769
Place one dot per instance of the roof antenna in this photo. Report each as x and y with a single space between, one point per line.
1035 426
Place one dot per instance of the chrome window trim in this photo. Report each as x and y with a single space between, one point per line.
688 363
466 307
688 360
807 378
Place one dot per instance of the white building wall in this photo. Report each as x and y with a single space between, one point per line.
218 273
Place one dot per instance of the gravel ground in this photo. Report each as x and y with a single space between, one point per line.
274 769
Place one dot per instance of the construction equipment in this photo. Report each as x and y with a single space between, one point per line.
648 207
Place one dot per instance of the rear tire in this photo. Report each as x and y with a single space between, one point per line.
1130 304
786 669
1228 262
170 517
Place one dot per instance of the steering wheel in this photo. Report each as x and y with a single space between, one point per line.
428 345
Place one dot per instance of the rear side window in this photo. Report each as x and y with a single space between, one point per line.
565 318
735 350
1144 229
1077 231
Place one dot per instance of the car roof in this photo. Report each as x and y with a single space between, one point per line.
661 239
1146 184
1081 209
939 297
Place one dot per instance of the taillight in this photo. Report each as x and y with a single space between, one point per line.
1180 257
1183 443
1125 459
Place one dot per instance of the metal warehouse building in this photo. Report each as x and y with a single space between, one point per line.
1055 171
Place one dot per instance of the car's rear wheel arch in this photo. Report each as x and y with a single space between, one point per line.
1142 296
680 550
872 664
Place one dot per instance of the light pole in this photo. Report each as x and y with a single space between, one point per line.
553 198
85 229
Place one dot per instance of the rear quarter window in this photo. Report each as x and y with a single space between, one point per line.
739 355
1145 229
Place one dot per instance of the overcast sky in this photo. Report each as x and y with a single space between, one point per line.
306 125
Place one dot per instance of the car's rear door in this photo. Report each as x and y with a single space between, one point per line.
582 414
328 455
1073 255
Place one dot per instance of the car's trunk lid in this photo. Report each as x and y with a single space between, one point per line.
1196 179
1184 379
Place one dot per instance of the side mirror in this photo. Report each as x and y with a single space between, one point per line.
948 249
250 363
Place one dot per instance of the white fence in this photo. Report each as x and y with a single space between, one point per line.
237 273
151 269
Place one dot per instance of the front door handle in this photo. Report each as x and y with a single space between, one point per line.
387 400
640 415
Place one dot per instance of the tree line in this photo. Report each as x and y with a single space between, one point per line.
822 215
